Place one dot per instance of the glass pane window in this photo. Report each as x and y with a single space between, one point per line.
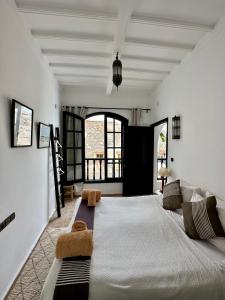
70 156
78 171
110 124
118 126
69 122
103 147
117 139
70 173
78 139
70 139
110 170
77 125
110 139
110 153
78 156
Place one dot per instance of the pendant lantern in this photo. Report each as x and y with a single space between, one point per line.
117 71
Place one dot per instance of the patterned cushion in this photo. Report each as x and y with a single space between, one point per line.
172 197
201 219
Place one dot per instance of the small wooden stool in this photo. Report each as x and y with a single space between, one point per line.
92 196
69 192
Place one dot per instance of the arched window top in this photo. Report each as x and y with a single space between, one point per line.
110 115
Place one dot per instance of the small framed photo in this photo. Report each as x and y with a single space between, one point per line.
21 125
43 135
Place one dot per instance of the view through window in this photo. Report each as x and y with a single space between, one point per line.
162 148
103 148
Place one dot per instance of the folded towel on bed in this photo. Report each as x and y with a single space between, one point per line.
90 193
79 243
79 225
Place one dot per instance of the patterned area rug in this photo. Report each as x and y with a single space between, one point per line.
32 277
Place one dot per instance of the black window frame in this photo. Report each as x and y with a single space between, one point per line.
163 160
124 125
65 148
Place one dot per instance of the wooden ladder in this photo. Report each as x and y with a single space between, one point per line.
57 161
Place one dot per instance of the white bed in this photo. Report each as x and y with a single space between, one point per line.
142 252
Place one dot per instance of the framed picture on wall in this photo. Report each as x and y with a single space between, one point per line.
21 125
43 135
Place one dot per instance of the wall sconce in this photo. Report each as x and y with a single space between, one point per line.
176 128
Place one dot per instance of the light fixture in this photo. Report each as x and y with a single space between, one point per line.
164 173
176 128
117 71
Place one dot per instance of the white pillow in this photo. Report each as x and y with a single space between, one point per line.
219 243
196 197
188 191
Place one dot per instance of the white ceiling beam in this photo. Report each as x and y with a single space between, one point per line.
152 59
148 71
99 67
68 75
159 44
80 76
74 53
170 23
77 66
69 53
71 36
124 15
100 84
73 13
110 16
106 39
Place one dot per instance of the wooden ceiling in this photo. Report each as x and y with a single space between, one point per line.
80 37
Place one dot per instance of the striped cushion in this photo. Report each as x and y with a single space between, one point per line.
73 279
201 219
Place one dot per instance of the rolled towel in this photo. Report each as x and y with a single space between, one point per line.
92 198
79 225
79 243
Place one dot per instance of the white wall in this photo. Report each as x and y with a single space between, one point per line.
25 172
96 96
196 92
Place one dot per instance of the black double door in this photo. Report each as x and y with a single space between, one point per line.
138 161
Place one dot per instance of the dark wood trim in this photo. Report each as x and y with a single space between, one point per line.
166 120
55 171
39 131
12 124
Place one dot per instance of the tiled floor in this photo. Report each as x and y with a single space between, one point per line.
31 279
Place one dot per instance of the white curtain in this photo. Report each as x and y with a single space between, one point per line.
136 117
78 110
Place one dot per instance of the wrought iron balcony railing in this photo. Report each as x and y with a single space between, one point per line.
95 168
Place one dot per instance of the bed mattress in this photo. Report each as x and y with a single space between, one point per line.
142 252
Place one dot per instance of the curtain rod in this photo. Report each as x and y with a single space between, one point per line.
117 108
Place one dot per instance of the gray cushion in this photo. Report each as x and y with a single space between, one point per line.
172 197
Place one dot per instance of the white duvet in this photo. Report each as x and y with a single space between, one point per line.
142 252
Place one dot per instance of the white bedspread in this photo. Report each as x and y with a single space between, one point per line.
142 252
